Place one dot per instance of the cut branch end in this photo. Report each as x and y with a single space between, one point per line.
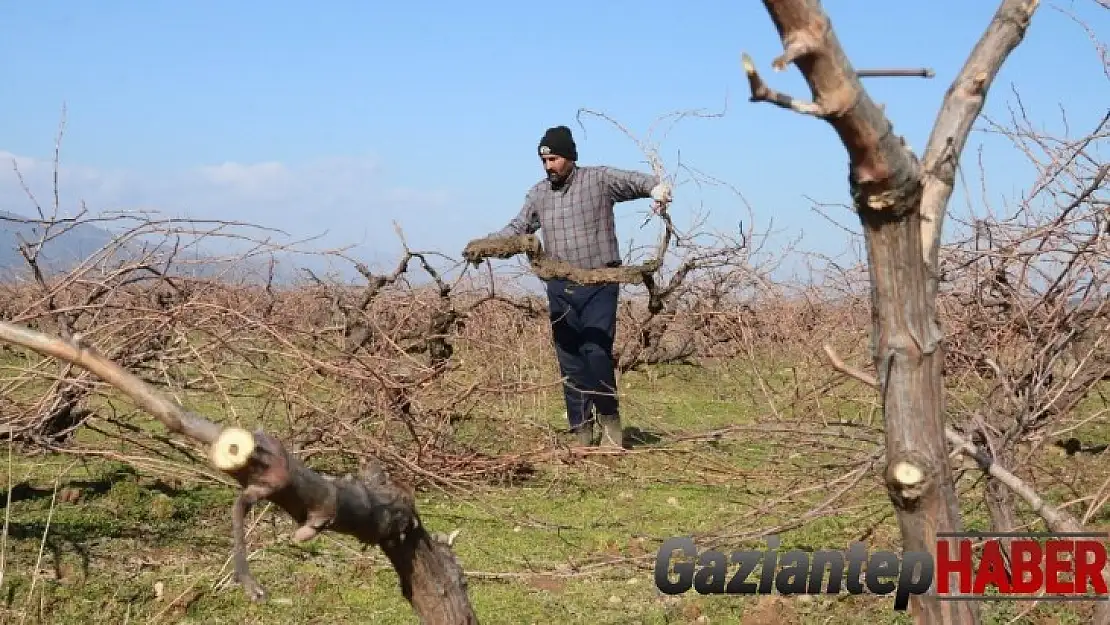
908 475
232 450
797 48
749 65
762 93
907 482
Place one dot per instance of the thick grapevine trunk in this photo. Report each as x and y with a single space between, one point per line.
900 205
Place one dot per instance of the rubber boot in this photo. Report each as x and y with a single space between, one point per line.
584 434
611 433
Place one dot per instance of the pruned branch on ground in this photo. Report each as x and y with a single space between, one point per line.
371 507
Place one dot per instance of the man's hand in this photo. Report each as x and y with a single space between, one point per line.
661 193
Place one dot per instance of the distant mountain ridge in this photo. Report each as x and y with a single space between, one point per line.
74 243
80 241
63 252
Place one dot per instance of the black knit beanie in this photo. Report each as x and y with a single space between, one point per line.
558 141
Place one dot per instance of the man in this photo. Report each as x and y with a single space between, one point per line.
574 208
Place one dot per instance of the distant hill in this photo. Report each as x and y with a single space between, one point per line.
69 248
76 243
62 253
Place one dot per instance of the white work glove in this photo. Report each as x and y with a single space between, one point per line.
661 193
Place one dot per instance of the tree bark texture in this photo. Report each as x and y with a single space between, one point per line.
370 507
890 189
961 107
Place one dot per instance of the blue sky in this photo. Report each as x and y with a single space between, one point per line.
336 118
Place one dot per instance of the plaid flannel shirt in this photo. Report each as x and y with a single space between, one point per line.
577 219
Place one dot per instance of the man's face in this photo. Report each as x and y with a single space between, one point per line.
557 167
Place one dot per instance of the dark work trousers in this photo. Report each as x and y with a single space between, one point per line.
583 325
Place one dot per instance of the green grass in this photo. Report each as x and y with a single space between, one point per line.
136 546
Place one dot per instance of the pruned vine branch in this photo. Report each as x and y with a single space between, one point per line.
547 268
371 507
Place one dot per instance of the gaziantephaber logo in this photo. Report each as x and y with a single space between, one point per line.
1005 566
